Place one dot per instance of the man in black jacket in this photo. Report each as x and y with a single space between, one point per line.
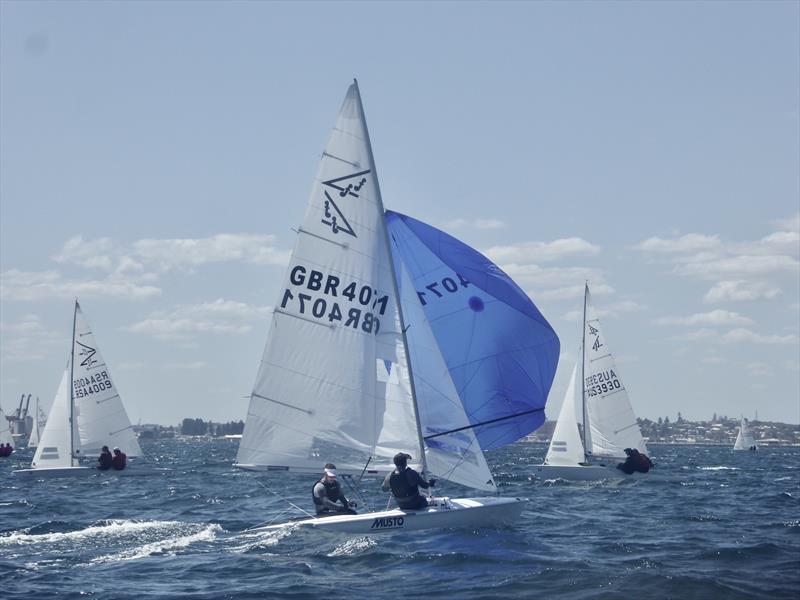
405 482
327 492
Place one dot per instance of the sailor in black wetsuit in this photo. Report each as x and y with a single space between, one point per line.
327 492
405 482
636 462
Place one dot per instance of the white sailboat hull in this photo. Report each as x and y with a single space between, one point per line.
581 472
54 472
445 513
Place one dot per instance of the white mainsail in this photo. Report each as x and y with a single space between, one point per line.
566 447
5 430
333 382
59 440
102 420
612 422
744 439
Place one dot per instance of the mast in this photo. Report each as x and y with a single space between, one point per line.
71 388
394 282
583 373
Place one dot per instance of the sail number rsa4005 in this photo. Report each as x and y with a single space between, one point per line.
360 304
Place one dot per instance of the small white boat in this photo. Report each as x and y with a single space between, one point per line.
609 424
745 439
337 379
441 513
87 413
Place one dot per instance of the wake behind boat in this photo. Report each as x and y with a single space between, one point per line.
353 371
610 433
87 413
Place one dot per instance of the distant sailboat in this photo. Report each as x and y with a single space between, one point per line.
39 421
608 422
87 413
745 439
336 382
5 430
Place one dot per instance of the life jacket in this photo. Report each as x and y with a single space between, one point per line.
333 491
105 461
119 462
642 463
402 487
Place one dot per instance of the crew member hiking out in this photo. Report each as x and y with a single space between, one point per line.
327 492
105 459
120 460
404 482
636 462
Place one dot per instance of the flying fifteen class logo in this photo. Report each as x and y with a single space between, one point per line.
88 352
595 332
349 185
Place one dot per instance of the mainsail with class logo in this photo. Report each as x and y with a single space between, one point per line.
335 382
608 422
87 412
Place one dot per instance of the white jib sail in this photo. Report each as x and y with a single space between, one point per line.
566 447
39 421
55 447
5 430
102 420
331 386
744 439
611 418
451 448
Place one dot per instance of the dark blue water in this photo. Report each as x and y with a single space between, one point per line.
710 523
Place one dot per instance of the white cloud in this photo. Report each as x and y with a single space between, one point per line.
715 317
219 316
759 369
694 336
740 290
225 247
712 360
571 292
531 252
742 265
746 335
25 285
691 242
475 224
788 224
28 339
612 311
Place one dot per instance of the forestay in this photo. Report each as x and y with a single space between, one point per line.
59 439
613 425
500 351
101 417
333 382
566 448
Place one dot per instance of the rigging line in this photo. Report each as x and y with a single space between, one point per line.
285 499
346 478
506 418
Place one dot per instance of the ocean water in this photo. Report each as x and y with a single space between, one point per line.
709 523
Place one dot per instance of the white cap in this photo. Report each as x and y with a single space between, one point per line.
330 472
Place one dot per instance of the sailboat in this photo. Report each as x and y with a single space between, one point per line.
745 439
87 413
5 430
608 422
39 421
336 380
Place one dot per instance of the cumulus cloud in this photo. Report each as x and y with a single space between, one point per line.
219 316
692 242
613 310
475 224
534 276
715 317
28 339
532 252
747 335
744 265
788 224
740 290
760 369
39 285
694 336
571 292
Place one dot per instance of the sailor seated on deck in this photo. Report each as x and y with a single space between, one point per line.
636 462
105 459
120 460
404 482
6 449
327 492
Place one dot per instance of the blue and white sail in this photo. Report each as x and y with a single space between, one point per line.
500 352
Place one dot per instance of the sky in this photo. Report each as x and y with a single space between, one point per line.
155 156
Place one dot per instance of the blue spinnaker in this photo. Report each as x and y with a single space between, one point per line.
500 351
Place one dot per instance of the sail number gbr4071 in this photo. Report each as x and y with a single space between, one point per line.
356 306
